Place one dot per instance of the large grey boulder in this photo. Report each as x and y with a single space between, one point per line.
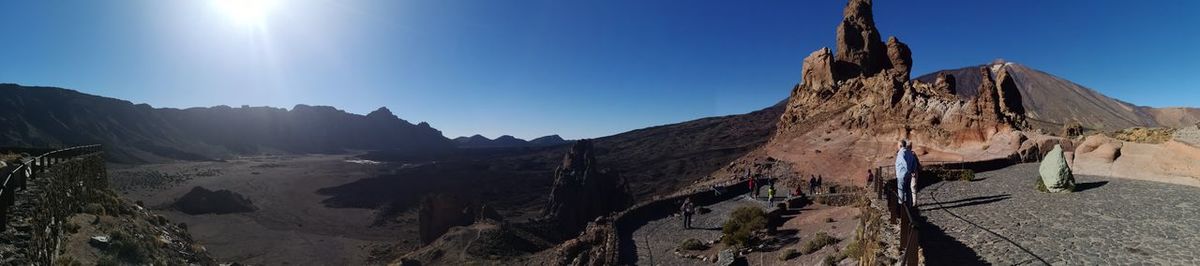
1056 174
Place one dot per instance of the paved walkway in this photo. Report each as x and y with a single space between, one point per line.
1003 220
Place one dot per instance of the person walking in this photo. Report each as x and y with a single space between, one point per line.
812 184
820 183
753 186
687 209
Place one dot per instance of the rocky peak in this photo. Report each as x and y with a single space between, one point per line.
817 71
900 57
859 49
382 112
583 191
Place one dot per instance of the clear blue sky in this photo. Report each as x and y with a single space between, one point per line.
574 68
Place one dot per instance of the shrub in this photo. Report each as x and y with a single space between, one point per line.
692 244
93 208
739 229
833 259
830 220
788 254
1041 186
817 242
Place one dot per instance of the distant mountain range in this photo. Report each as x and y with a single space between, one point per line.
506 141
55 117
1053 101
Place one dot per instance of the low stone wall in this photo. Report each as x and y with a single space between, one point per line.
36 220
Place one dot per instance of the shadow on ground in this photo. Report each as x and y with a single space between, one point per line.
1089 185
963 202
942 249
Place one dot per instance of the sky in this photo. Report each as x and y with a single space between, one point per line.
579 69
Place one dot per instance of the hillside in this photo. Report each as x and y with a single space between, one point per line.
53 117
1052 101
506 141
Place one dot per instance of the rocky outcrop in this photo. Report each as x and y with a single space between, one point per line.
859 49
203 201
1055 173
1099 147
818 69
582 190
900 57
438 213
1009 96
597 245
945 83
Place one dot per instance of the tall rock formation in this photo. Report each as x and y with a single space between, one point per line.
900 57
583 191
859 49
852 121
945 83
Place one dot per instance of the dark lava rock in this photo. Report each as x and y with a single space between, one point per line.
203 201
583 190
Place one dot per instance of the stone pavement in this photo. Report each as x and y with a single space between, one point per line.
1002 219
657 239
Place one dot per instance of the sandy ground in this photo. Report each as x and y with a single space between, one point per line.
291 225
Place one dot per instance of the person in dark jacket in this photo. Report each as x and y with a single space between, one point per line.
687 210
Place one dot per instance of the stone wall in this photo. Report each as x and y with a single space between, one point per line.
54 193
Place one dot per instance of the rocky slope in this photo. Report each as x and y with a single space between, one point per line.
1053 101
44 116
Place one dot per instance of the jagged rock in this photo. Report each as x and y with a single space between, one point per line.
986 103
1009 97
1056 174
818 69
438 213
900 57
859 49
597 245
583 191
945 83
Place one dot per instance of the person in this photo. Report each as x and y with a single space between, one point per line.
915 169
770 193
904 168
870 177
812 184
820 181
753 186
687 209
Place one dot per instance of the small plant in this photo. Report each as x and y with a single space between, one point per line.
817 242
692 244
739 229
833 259
830 220
788 254
1041 186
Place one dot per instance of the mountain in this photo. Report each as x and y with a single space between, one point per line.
1052 101
506 141
46 116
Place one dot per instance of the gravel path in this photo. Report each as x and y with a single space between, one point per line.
1002 219
656 240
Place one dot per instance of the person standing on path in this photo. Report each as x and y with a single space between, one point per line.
812 184
915 170
687 209
753 186
820 182
904 169
770 194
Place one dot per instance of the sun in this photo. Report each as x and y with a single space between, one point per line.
246 12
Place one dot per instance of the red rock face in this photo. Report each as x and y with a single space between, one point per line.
858 46
438 213
852 122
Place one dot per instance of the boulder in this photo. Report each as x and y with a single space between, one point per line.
1100 147
818 69
583 190
726 257
900 57
1055 172
859 49
440 212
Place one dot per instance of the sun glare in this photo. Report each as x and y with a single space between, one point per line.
246 12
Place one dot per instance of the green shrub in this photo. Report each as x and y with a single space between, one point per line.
93 208
692 244
1041 186
739 229
817 242
788 254
830 220
833 259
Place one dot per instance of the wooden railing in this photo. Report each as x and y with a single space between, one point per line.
884 185
17 177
